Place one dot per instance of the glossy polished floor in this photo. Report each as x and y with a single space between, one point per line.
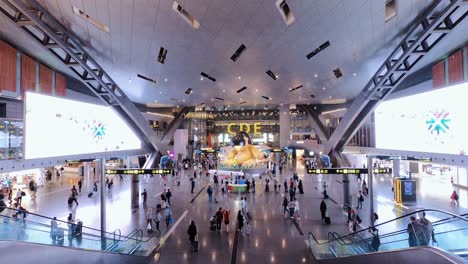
273 239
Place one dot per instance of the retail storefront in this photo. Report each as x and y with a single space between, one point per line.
20 179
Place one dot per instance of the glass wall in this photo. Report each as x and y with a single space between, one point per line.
11 138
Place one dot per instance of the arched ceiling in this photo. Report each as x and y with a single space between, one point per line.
360 39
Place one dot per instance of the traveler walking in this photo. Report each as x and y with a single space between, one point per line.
168 196
427 233
33 188
323 210
291 194
300 187
95 187
226 214
454 197
71 225
360 200
168 216
192 232
73 197
285 205
210 194
157 219
144 195
80 184
253 185
285 186
219 219
291 209
240 220
19 197
149 215
192 182
296 208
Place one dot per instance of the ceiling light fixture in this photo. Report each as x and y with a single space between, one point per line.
185 15
201 78
317 50
266 97
285 11
315 75
165 80
90 19
162 55
219 98
272 75
189 91
208 77
238 52
146 78
241 89
323 88
354 74
158 114
295 88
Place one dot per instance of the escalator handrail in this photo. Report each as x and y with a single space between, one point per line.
58 220
436 223
402 231
389 221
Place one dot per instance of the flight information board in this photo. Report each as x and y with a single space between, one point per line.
349 171
139 171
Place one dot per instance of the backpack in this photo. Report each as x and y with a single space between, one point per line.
361 198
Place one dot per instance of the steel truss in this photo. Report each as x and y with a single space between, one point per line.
44 28
440 19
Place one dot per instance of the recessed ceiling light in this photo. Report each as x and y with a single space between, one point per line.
224 91
212 99
277 76
315 107
165 80
201 78
240 99
129 80
183 100
323 88
239 77
330 97
281 104
256 90
355 74
177 106
315 75
155 101
160 92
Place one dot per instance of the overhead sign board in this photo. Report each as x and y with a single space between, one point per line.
349 171
139 171
403 158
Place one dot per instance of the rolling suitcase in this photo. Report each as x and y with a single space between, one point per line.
195 245
70 201
327 220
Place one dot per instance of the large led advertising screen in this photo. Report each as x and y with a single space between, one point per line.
434 121
59 127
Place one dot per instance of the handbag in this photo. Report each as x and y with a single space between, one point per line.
171 221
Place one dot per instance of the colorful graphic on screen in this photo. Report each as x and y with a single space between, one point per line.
59 127
434 122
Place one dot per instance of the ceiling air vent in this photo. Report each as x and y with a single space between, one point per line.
241 89
337 73
238 52
295 88
162 55
266 97
208 77
285 11
219 98
319 49
146 78
90 19
189 91
185 15
390 9
272 75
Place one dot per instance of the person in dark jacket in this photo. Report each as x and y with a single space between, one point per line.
219 219
240 220
411 229
323 209
285 204
300 187
192 232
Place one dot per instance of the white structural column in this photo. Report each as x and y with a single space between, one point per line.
285 125
102 173
396 168
370 185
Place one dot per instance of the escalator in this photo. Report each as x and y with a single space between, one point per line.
35 231
449 239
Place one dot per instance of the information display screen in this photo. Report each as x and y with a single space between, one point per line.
349 171
60 127
434 122
139 171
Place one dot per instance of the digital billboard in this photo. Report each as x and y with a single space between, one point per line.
60 127
434 121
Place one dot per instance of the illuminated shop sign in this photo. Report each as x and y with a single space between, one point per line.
139 171
255 128
349 171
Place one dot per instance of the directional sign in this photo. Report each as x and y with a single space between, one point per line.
139 171
349 171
